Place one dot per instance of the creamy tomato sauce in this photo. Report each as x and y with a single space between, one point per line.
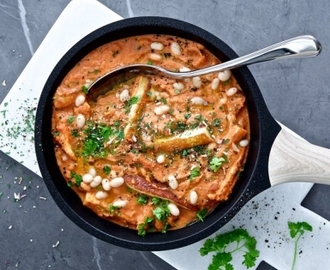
153 153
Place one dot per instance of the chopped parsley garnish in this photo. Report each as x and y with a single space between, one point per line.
195 172
216 122
161 212
77 179
130 102
106 169
113 209
142 199
75 133
156 200
96 137
201 214
187 115
70 119
217 162
224 245
163 100
143 228
84 89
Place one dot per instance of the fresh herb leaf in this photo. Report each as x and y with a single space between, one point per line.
163 100
226 141
130 102
77 179
84 89
113 209
75 133
98 136
143 228
142 199
297 229
187 115
216 163
106 169
220 244
195 172
216 122
161 212
201 214
70 119
156 200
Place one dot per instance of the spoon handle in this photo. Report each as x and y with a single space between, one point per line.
297 47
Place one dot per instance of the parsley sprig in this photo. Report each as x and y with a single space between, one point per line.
217 162
224 246
297 229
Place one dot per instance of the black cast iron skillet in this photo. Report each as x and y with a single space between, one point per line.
254 179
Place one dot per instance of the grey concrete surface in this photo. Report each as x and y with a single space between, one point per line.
34 234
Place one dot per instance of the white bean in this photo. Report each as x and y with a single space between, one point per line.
157 46
87 178
155 56
223 100
101 195
124 95
80 99
119 203
198 101
172 182
116 182
184 69
163 109
94 184
97 179
92 172
224 75
178 86
160 158
175 48
197 82
80 120
88 83
174 210
215 83
244 143
231 91
193 197
106 184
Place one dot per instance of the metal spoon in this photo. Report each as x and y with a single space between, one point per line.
301 46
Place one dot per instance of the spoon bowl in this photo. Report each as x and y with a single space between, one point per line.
297 47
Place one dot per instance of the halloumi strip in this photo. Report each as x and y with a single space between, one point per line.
140 90
185 140
154 189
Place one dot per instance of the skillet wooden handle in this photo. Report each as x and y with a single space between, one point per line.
293 159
